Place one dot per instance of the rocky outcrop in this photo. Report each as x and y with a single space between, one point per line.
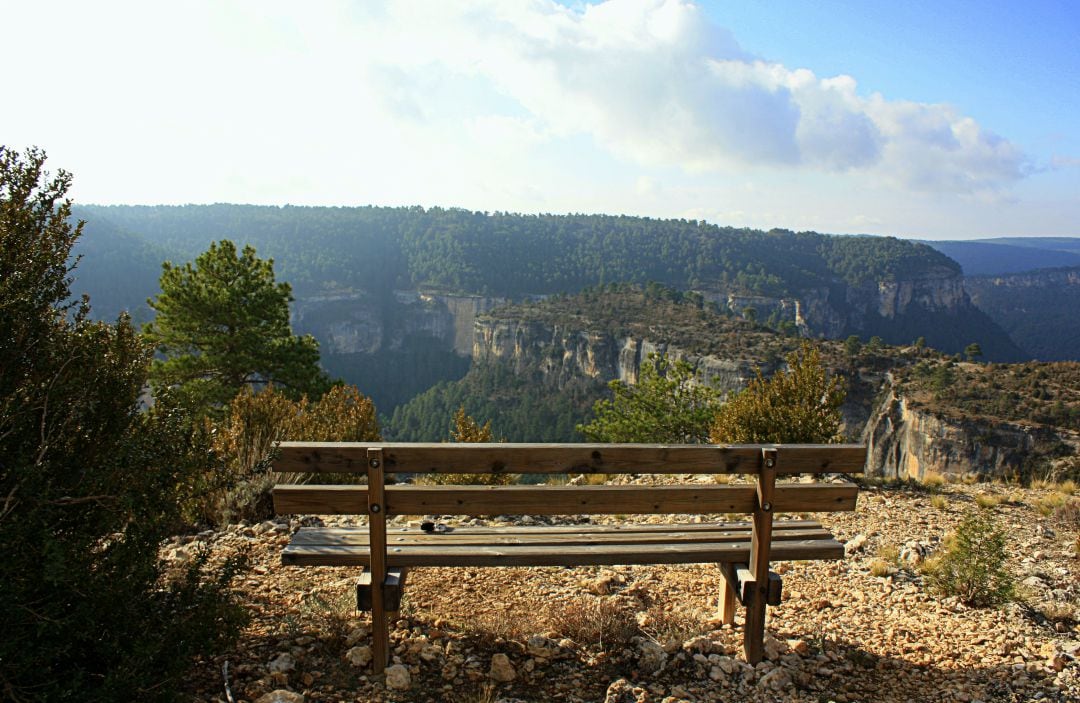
840 310
909 442
560 355
358 322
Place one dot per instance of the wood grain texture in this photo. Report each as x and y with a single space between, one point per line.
317 457
562 500
562 555
376 510
358 537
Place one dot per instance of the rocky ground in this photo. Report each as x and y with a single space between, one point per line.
863 629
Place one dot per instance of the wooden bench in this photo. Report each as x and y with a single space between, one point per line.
743 550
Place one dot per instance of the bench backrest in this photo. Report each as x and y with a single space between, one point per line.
375 460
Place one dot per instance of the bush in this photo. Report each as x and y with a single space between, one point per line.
971 564
91 487
239 488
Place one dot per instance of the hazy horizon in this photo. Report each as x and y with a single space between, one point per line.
927 121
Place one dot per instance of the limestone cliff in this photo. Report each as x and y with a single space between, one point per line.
359 322
906 441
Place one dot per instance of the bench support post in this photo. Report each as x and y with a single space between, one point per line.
754 634
376 510
727 596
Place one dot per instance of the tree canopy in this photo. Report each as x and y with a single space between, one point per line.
222 324
797 405
668 404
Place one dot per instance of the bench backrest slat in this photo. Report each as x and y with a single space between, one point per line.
349 457
563 500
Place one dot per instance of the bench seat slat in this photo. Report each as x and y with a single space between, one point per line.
561 555
421 458
561 500
622 528
359 537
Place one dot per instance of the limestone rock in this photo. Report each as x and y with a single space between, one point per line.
359 656
622 691
282 664
280 696
398 678
651 657
501 669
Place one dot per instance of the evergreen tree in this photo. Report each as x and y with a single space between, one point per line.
222 324
667 405
88 486
800 405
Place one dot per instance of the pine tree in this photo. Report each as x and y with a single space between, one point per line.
222 324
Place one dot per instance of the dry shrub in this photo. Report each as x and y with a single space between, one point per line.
668 625
987 500
592 622
932 479
939 502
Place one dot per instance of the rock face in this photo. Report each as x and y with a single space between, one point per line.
907 442
840 310
362 322
562 354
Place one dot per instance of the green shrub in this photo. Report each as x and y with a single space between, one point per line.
91 488
971 564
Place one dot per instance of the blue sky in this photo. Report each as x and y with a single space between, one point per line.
917 119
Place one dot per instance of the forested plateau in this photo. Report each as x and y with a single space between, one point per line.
392 293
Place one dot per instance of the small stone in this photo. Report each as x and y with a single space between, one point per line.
355 635
359 656
541 647
776 680
280 696
651 657
800 647
854 544
501 669
284 663
622 691
398 677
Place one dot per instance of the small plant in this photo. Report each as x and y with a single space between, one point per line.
1048 505
1067 487
987 500
939 502
672 625
971 563
932 479
603 623
880 568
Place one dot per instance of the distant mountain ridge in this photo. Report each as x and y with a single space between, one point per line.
1003 255
823 285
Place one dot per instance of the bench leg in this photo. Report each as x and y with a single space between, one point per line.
754 629
727 600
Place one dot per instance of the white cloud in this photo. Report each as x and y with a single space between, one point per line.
654 82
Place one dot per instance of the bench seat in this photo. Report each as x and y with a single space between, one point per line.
571 545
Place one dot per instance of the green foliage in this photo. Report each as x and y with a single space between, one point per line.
852 345
973 351
88 484
971 564
240 488
222 324
526 408
799 405
467 429
668 404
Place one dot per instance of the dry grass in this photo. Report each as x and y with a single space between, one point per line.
939 502
987 500
932 479
594 623
672 625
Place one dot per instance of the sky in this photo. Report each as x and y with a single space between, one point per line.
939 120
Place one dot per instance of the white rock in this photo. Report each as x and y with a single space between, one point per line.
501 669
854 544
359 656
284 662
542 647
398 677
651 656
280 696
776 680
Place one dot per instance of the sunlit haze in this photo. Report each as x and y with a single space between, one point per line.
920 121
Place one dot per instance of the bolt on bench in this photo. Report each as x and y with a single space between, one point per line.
743 550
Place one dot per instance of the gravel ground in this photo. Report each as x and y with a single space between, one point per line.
863 629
